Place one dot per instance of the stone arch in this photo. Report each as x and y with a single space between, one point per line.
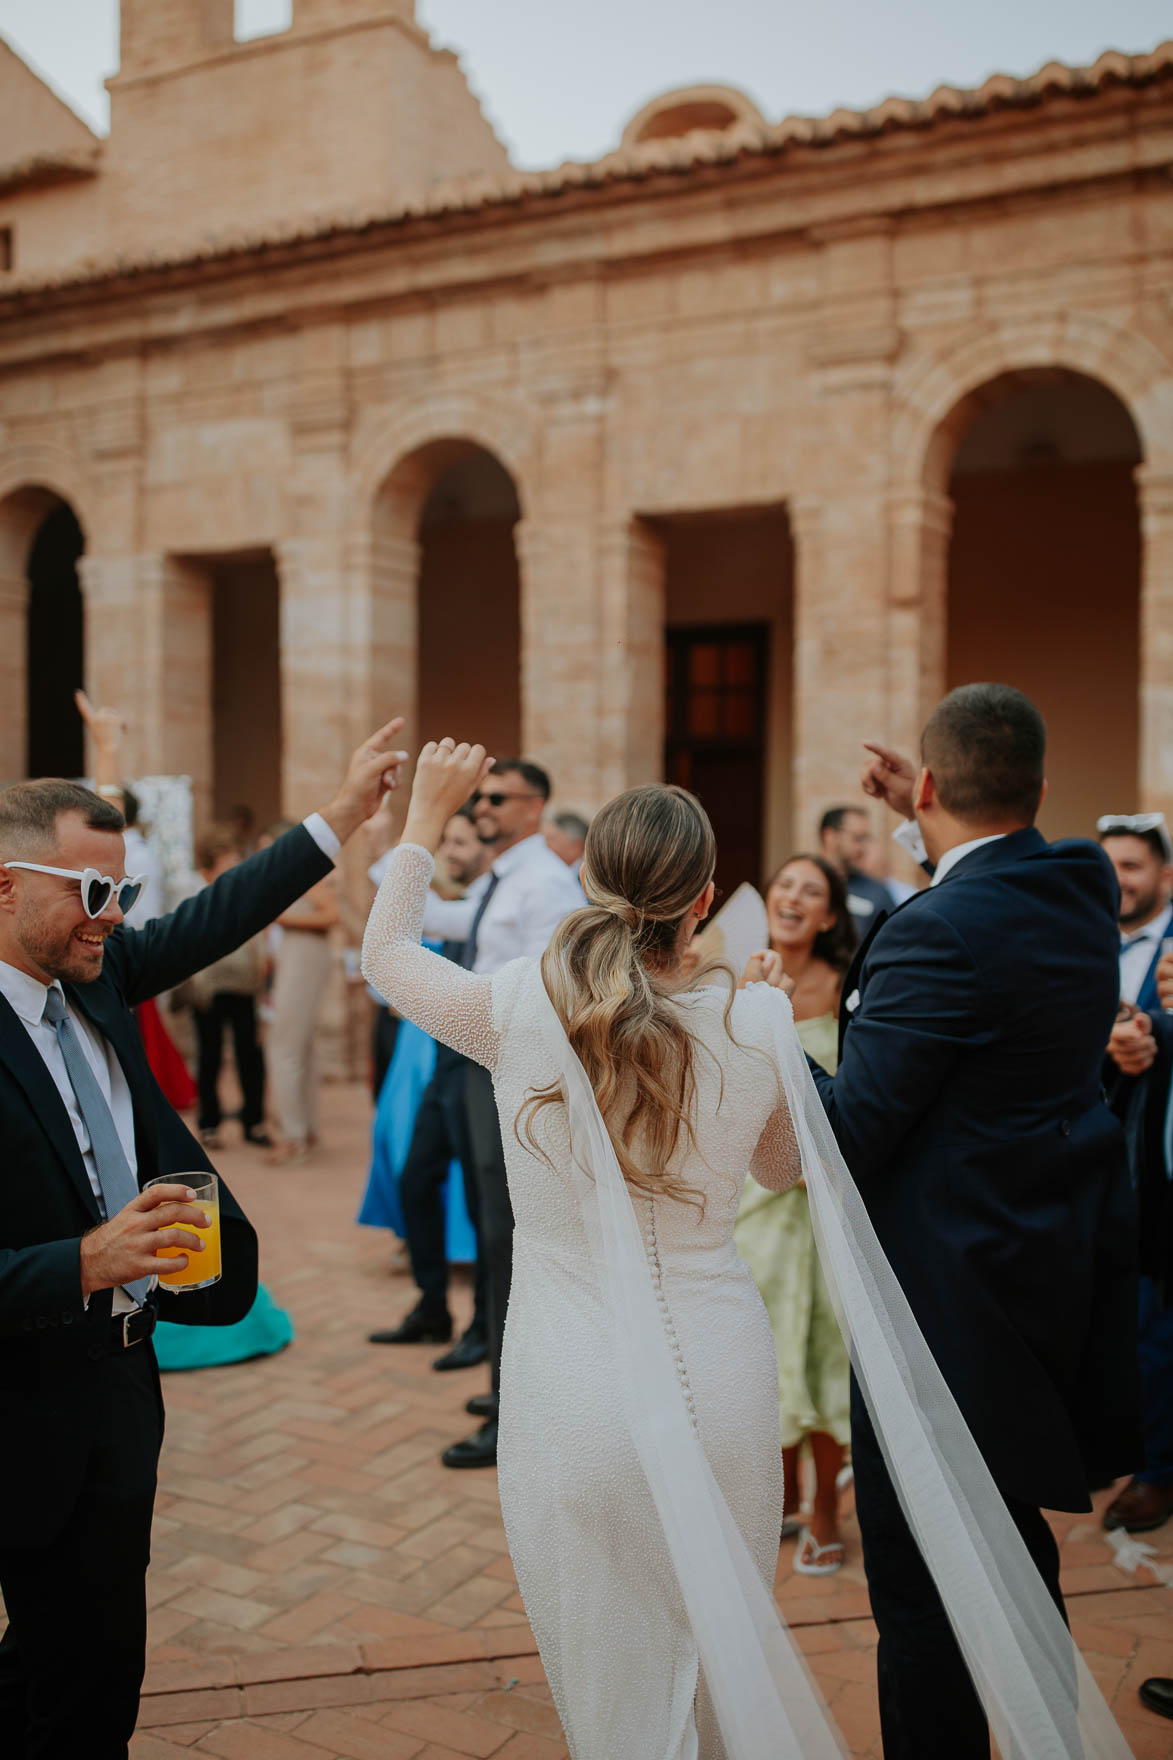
1001 565
43 526
54 471
504 428
929 388
433 484
680 111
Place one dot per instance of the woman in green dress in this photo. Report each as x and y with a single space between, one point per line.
812 932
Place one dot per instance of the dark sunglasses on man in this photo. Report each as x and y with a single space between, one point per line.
496 798
96 889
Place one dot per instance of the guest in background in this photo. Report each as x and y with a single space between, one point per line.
302 966
845 838
141 859
436 1165
243 821
106 727
225 997
811 930
566 835
1140 1072
527 894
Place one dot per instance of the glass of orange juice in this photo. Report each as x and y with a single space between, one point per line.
202 1269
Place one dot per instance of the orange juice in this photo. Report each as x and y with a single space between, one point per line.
201 1268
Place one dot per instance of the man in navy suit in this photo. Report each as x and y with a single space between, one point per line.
968 1106
1141 1050
84 1126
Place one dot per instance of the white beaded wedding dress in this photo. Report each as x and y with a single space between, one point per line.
639 1469
591 1560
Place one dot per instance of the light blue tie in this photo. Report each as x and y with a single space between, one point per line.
118 1183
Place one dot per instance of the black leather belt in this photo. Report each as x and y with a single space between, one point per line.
132 1328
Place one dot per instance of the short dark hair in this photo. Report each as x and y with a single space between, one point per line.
986 747
216 840
832 819
29 812
464 812
1153 838
571 824
837 944
130 805
531 774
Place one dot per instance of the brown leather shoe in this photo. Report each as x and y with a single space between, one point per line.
1140 1507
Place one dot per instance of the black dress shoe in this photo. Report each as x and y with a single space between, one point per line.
482 1405
417 1328
471 1350
1157 1694
477 1450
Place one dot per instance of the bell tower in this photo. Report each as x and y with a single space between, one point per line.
349 112
168 33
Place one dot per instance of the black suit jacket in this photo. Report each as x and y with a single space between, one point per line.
50 1344
969 1108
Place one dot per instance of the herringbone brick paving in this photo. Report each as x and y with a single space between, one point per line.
321 1586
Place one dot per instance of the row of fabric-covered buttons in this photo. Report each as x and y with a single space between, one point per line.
652 1249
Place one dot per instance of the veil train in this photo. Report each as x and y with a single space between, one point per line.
1040 1697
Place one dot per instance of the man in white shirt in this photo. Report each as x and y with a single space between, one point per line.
85 1129
528 892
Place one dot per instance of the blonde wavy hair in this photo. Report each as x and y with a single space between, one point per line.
611 971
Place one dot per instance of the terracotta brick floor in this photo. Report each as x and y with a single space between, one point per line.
321 1586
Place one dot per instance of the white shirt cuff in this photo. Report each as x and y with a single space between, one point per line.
326 840
909 838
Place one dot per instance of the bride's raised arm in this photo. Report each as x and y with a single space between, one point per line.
451 1004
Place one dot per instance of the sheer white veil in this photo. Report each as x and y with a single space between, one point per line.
1039 1696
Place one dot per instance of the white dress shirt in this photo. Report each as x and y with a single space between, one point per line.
26 995
909 838
535 891
1137 952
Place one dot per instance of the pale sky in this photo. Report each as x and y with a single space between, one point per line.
560 78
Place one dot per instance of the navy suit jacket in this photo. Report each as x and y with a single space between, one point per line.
969 1108
50 1344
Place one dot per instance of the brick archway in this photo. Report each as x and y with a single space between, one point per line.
386 445
934 398
35 482
929 388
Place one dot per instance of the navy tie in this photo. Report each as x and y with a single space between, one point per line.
468 958
118 1183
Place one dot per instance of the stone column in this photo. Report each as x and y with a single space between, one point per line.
920 526
561 656
1155 493
148 644
631 656
14 601
840 521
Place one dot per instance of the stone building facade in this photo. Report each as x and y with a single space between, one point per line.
312 409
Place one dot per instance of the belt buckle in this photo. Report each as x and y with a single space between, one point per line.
127 1341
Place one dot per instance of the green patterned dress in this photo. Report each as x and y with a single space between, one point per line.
774 1236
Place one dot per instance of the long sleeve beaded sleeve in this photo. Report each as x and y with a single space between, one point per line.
451 1004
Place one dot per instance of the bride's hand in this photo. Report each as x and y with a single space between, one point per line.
766 968
446 774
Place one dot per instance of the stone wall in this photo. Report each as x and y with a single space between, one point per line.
805 336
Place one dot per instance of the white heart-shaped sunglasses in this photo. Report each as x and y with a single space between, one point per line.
96 889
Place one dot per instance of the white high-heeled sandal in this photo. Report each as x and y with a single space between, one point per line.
820 1565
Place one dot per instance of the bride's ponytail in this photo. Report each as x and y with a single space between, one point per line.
611 969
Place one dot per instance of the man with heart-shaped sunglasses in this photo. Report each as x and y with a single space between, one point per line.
86 1131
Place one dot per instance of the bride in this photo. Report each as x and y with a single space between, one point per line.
639 1472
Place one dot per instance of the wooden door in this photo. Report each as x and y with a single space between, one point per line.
716 736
